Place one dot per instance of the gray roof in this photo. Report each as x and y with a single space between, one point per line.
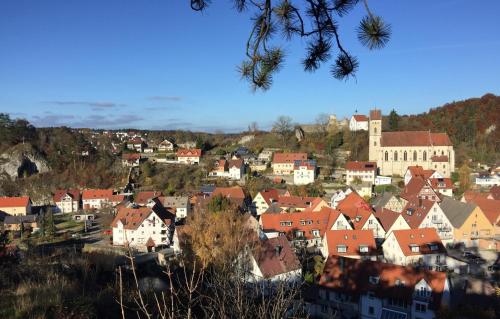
456 211
175 201
381 201
19 219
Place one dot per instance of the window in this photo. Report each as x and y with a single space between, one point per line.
425 156
374 130
302 222
405 156
420 307
414 248
341 248
414 155
386 155
363 248
371 310
375 143
396 155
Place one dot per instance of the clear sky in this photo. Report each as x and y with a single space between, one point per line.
157 64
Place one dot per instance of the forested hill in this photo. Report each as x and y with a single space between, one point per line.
473 126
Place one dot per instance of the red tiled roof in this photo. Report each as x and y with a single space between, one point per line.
298 202
275 256
270 195
14 201
310 165
230 192
421 237
352 276
356 208
195 152
238 163
305 221
131 156
288 157
441 183
59 194
360 118
375 115
415 211
361 166
142 198
352 240
495 192
97 193
136 140
132 218
414 138
420 171
490 208
386 217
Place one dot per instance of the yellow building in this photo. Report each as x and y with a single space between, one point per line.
470 224
15 206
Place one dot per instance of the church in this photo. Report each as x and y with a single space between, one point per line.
395 151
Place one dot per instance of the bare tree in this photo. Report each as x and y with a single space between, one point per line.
283 127
322 122
253 127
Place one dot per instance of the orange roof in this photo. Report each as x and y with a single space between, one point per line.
142 198
305 221
230 192
131 156
352 276
490 208
352 240
360 118
132 218
420 171
415 211
470 196
14 201
309 164
386 217
97 193
361 166
495 192
289 157
270 195
375 115
441 183
136 140
423 238
298 202
356 208
238 163
74 193
415 138
195 152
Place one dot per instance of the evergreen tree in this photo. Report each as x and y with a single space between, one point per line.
51 228
393 120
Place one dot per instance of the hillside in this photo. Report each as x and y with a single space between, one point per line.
473 126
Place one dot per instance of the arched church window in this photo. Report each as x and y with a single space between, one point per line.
415 155
405 156
425 156
395 155
386 155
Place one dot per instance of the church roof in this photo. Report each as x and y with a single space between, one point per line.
414 138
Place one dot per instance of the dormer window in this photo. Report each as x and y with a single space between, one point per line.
374 280
414 248
363 248
433 247
341 248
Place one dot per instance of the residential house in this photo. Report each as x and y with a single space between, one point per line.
359 244
425 174
391 202
131 159
178 204
364 189
360 215
303 228
96 198
470 224
67 200
339 196
220 168
13 223
146 197
418 247
383 180
234 193
487 179
266 155
420 188
166 146
304 172
283 163
391 220
143 228
297 203
274 260
264 199
491 209
188 156
358 122
442 185
16 206
394 152
236 169
352 288
137 144
358 172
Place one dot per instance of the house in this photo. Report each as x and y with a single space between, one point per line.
360 215
257 165
235 194
16 206
136 144
487 179
189 156
357 172
414 171
394 152
264 199
220 168
131 159
391 202
391 220
353 288
236 169
274 260
358 122
442 185
96 198
303 228
304 172
359 244
424 213
178 204
338 196
291 203
283 163
383 180
470 224
266 155
13 223
166 146
145 197
67 200
364 189
143 228
420 188
418 247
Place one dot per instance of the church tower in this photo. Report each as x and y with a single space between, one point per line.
375 131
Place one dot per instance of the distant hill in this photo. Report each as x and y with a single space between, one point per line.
473 126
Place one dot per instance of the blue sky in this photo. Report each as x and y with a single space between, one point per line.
157 64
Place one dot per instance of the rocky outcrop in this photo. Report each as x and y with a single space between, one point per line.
22 160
